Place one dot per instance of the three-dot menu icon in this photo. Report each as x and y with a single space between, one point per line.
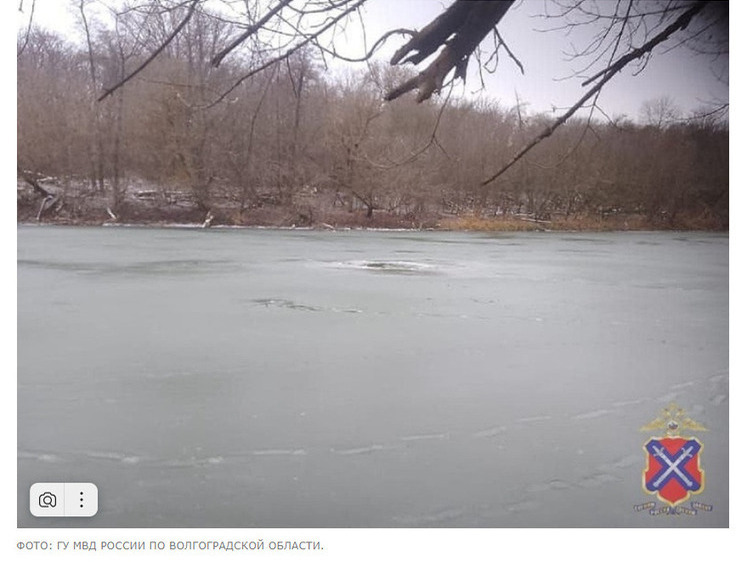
64 499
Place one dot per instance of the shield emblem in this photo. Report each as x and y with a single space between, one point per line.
673 468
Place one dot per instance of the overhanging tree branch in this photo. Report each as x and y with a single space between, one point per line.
603 76
460 29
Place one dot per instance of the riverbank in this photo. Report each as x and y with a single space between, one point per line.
446 223
77 206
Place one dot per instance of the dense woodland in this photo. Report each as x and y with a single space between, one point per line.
300 145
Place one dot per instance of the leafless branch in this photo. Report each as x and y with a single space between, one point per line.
376 46
460 29
332 21
433 139
29 179
503 44
218 58
154 54
28 27
604 76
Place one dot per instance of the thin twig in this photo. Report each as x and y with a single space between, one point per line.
431 141
606 75
162 46
217 59
510 54
680 23
284 55
371 51
28 29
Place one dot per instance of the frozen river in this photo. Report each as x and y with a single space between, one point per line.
262 378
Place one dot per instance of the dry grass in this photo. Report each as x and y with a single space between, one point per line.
490 225
583 223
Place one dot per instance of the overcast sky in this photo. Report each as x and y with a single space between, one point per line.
688 79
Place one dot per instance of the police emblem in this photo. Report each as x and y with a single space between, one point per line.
673 472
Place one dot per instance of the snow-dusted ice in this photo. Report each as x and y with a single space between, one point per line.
260 378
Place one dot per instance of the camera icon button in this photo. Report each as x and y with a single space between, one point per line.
46 499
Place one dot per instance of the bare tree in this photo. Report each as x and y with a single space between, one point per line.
629 32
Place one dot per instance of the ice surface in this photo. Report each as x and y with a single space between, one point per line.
268 378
